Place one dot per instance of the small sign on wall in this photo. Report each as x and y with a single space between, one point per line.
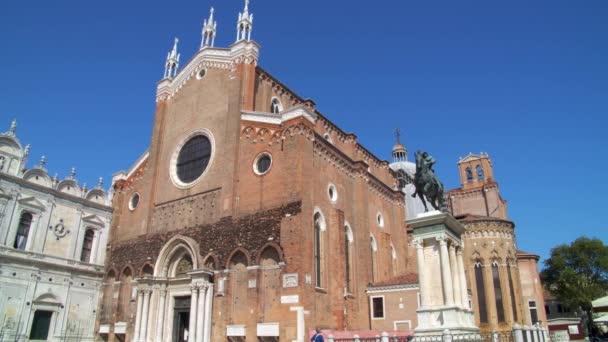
573 329
268 329
290 299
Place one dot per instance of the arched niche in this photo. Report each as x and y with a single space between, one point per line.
270 256
239 260
174 251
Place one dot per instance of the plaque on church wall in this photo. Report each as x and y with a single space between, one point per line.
235 330
290 299
290 280
308 279
268 329
252 283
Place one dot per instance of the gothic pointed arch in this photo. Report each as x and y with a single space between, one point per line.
270 247
111 273
126 272
147 270
237 257
211 262
178 245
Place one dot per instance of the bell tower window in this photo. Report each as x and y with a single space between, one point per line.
480 175
469 175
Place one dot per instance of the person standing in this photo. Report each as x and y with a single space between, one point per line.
318 337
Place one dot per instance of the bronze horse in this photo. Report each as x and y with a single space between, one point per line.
427 184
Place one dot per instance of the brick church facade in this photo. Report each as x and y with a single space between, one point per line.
251 216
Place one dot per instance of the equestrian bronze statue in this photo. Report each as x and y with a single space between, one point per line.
428 187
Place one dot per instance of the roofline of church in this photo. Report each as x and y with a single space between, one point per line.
526 255
322 116
489 183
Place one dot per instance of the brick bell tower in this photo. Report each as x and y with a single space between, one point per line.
479 194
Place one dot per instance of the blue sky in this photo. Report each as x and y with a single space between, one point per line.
525 81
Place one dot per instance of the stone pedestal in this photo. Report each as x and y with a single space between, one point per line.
438 248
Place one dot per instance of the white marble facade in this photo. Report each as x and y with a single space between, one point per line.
53 235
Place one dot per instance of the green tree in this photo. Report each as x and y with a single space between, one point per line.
576 274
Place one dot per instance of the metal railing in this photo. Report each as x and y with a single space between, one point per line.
518 334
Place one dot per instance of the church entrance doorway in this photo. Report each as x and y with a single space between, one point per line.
181 319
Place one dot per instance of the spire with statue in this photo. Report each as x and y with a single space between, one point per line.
172 63
209 31
244 25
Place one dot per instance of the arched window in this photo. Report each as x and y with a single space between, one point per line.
87 246
23 231
2 160
348 240
479 170
319 223
469 175
500 310
512 291
481 293
373 249
275 106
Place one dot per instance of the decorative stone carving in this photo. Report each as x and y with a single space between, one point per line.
59 230
290 280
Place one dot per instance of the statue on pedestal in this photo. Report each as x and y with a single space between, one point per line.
428 187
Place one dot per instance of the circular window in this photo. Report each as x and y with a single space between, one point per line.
262 163
332 192
201 74
134 202
380 220
191 158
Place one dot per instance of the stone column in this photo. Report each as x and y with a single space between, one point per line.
200 313
193 304
140 300
143 335
208 312
299 323
160 320
446 275
455 276
463 281
419 243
